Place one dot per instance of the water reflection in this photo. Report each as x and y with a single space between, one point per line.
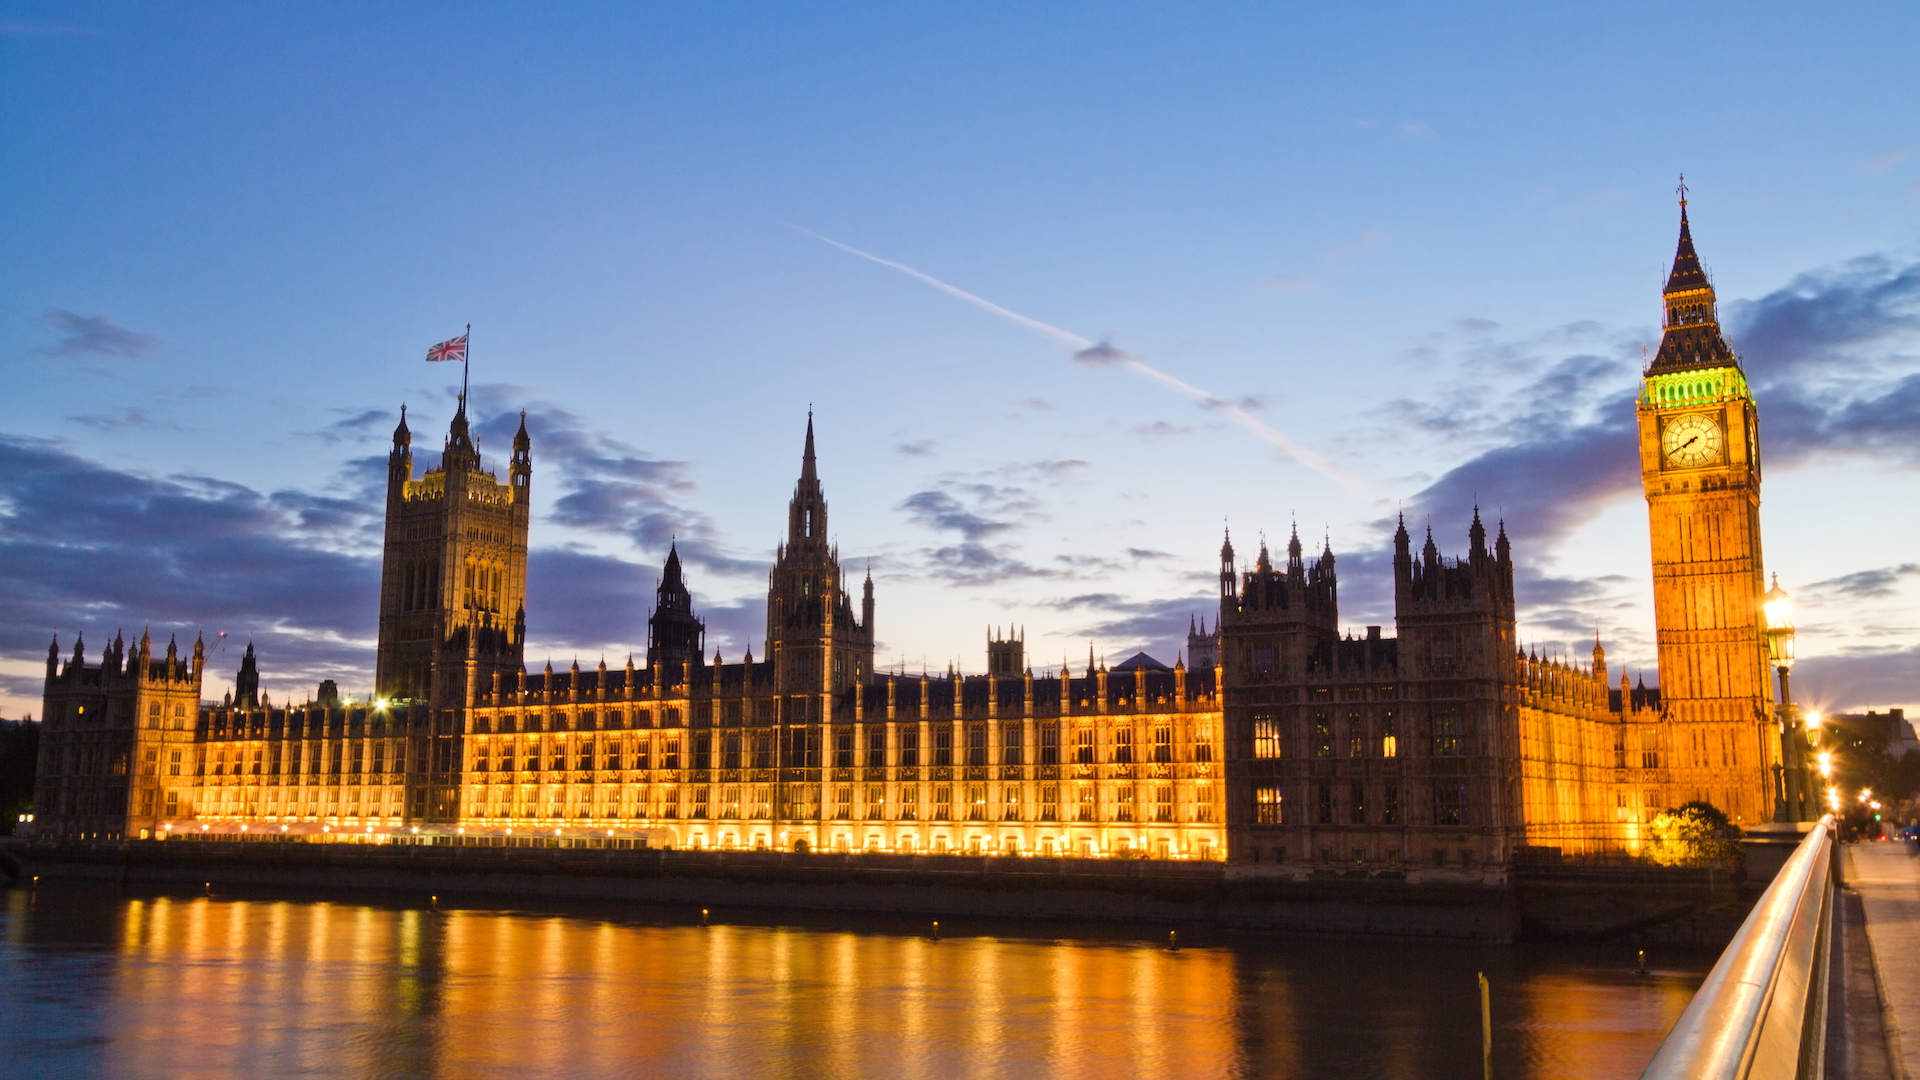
211 987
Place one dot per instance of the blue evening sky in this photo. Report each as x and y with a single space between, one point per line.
1422 242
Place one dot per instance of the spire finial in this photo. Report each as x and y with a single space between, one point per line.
1682 192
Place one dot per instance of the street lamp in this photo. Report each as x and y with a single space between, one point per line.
1790 781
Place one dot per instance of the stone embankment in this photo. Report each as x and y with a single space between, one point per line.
1690 907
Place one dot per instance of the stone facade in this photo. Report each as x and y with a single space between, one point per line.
1289 748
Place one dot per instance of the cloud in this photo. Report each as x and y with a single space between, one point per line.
1834 357
122 419
1880 163
96 336
20 28
87 547
1160 429
942 511
917 448
607 486
1865 584
1858 679
1102 353
1292 284
1121 625
357 426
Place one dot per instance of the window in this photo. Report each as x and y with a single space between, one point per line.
876 802
1389 735
1446 733
910 802
616 720
1322 735
1010 803
153 709
942 744
703 751
1650 748
173 801
1162 745
942 803
910 747
1357 802
1203 804
642 752
1203 742
1050 743
730 752
1449 804
763 751
977 802
976 744
613 754
1086 794
876 748
586 755
1266 736
1356 734
1050 803
480 759
843 748
730 801
150 763
1163 803
1263 661
1123 746
1322 804
670 753
1123 803
1390 804
700 801
843 800
1010 740
1266 804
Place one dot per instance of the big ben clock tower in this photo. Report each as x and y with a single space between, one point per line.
1700 465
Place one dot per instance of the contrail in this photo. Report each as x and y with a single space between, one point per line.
1088 351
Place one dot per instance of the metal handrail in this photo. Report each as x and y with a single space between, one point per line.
1761 1014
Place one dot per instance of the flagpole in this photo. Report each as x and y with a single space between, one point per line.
464 368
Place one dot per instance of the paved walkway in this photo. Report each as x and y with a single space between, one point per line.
1888 881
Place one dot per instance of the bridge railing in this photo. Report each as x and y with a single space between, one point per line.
1761 1014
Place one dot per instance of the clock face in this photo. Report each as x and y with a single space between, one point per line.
1691 441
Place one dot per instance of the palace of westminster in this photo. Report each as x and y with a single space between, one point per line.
1275 744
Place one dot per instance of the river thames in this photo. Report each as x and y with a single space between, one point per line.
100 984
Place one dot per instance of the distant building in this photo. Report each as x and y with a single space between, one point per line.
1277 742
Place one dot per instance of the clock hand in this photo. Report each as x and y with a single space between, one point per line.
1689 442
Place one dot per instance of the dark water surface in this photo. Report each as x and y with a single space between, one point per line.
93 983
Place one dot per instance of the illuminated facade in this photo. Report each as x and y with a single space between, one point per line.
1700 467
1287 748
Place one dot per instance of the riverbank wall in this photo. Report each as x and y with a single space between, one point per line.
1648 905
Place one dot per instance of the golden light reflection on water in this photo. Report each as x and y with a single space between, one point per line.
215 988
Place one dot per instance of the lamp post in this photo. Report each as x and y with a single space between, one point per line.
1790 780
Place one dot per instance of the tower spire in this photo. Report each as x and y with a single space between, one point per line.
1692 338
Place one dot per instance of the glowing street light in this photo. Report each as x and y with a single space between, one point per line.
1791 783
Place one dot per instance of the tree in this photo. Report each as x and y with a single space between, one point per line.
1694 834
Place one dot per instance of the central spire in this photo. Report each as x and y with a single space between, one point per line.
807 514
809 470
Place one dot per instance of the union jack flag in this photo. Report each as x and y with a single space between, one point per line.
451 349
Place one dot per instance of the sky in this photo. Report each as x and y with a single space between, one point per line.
1069 289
